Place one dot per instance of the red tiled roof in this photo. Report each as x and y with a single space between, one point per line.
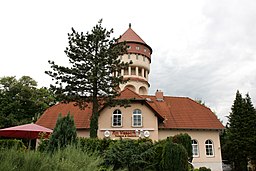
81 117
129 94
184 113
130 36
178 112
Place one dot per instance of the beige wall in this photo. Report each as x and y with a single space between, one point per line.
137 85
201 136
137 62
83 133
149 121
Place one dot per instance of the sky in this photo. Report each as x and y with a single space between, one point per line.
202 49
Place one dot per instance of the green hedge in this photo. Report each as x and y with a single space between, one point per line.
12 143
69 158
142 154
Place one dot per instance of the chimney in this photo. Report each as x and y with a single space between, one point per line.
159 95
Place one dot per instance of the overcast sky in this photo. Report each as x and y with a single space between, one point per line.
201 49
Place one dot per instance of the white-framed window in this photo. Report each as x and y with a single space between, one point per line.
195 149
129 56
209 148
137 118
117 118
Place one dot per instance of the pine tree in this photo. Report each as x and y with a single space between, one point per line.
241 132
251 124
92 76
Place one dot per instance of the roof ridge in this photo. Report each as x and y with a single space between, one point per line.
167 96
128 89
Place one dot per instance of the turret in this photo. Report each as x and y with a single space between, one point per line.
140 54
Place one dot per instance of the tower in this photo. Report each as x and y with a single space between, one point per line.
140 54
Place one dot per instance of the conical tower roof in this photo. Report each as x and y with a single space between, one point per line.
131 36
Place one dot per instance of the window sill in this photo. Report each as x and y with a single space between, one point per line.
210 156
137 126
116 126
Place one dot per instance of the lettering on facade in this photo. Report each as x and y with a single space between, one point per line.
130 133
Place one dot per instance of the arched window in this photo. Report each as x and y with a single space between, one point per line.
137 118
117 118
209 148
195 149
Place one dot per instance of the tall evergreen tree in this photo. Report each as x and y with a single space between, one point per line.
92 76
251 124
241 132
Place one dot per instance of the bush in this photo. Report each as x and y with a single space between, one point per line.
185 140
43 145
174 157
204 169
63 134
130 154
94 144
12 143
69 158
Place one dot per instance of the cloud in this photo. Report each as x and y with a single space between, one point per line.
218 62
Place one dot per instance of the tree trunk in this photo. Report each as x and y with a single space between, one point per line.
95 112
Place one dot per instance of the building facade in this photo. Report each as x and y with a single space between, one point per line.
154 116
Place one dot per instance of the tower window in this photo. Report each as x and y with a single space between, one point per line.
133 71
129 56
137 56
137 48
144 58
140 73
126 72
145 50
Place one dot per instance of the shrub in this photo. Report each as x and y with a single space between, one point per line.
43 145
130 154
63 134
174 157
65 159
204 169
94 144
12 143
185 140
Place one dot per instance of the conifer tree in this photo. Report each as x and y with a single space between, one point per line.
251 124
92 75
241 132
63 134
